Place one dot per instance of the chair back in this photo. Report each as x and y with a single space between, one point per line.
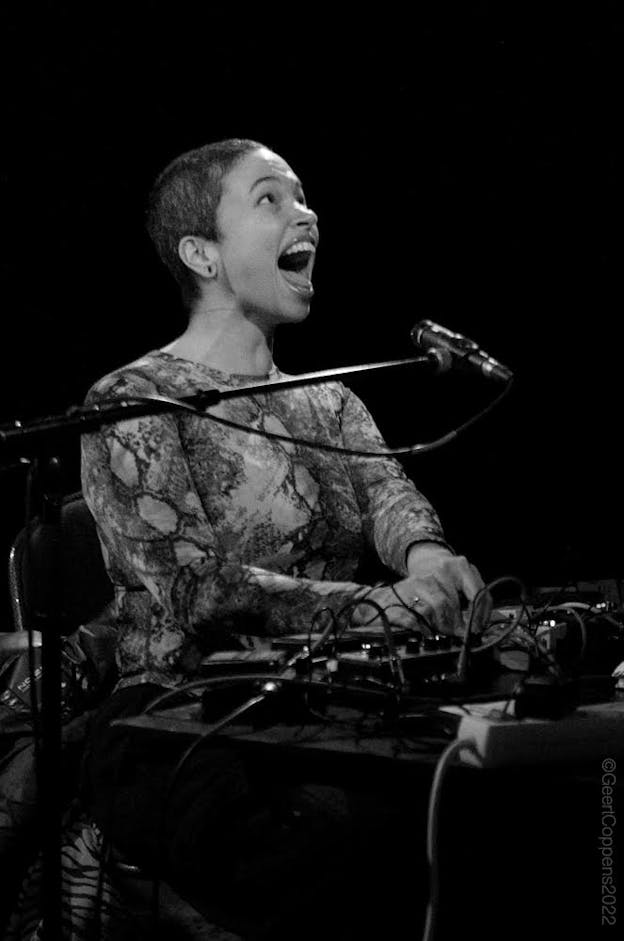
85 586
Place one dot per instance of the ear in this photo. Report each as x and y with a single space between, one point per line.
200 255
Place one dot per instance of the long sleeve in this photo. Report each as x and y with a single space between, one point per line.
395 514
208 531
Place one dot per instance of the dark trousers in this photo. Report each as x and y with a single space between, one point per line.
293 861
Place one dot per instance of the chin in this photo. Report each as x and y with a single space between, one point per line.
294 311
296 314
290 309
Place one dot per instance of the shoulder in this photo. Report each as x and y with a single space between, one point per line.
331 395
144 376
335 397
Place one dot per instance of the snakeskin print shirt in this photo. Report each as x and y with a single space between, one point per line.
209 531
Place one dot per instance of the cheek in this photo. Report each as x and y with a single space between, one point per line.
259 266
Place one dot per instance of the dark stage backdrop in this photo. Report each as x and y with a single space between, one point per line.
466 170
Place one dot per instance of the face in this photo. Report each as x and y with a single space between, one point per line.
268 239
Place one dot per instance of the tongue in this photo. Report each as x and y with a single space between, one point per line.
296 277
299 281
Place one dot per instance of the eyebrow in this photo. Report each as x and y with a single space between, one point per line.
264 179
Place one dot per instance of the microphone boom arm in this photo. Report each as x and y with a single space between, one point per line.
26 438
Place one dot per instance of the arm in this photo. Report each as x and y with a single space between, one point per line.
406 532
396 515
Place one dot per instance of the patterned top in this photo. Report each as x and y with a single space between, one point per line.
208 531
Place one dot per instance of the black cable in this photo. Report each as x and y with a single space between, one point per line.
333 625
395 662
504 579
316 445
362 597
580 623
545 657
417 614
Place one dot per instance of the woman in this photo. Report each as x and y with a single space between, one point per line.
210 533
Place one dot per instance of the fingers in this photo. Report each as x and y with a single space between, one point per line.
457 572
455 581
439 605
471 586
432 597
416 604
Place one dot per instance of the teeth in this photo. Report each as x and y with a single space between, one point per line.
299 247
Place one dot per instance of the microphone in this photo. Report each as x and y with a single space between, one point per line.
431 337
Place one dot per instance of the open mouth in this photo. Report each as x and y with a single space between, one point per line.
295 265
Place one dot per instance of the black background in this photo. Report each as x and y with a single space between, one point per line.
464 167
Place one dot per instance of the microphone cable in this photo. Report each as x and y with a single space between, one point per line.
423 448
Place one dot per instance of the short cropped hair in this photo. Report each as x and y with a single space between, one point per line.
184 201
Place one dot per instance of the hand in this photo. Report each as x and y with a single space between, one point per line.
450 589
439 585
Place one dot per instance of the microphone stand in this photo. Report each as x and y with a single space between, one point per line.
49 614
38 439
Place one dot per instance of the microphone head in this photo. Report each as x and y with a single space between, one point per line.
443 359
438 354
416 333
448 348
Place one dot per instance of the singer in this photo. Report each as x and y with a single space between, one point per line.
210 534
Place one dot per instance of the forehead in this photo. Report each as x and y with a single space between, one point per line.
254 166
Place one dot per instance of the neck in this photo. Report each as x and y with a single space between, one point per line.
221 338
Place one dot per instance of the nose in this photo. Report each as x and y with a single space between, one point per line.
305 216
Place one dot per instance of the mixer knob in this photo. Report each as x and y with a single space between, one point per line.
437 642
412 645
375 651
